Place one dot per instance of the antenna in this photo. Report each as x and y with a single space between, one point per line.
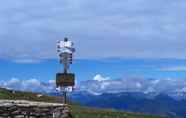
64 79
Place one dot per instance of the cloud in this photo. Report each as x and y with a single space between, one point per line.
24 60
124 28
145 85
170 86
32 85
98 77
174 68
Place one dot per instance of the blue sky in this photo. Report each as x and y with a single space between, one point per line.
109 36
88 69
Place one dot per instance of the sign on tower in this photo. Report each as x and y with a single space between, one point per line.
65 49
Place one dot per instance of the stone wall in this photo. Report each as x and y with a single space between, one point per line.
28 109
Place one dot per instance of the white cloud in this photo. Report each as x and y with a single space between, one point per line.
24 60
174 68
33 85
166 85
96 87
138 85
98 77
155 81
123 28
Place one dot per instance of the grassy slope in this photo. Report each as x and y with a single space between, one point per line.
84 112
77 111
7 94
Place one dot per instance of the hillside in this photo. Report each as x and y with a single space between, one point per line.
9 94
85 112
157 104
77 111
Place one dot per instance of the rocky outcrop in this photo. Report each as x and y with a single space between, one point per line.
28 109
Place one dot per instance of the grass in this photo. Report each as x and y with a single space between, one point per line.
17 95
84 112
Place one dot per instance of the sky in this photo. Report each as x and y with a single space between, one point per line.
114 39
100 76
29 30
87 69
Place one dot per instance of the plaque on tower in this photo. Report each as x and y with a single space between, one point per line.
65 79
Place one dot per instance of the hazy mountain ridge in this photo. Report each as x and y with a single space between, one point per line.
154 96
160 104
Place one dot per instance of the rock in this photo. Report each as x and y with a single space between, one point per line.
28 109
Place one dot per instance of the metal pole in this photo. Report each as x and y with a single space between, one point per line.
65 97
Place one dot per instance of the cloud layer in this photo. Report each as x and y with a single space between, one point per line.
174 69
32 85
144 85
173 87
122 28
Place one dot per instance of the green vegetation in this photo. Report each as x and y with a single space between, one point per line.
77 111
84 112
17 95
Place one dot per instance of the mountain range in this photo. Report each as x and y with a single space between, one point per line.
153 103
166 97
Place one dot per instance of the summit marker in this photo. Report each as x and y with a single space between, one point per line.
65 79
